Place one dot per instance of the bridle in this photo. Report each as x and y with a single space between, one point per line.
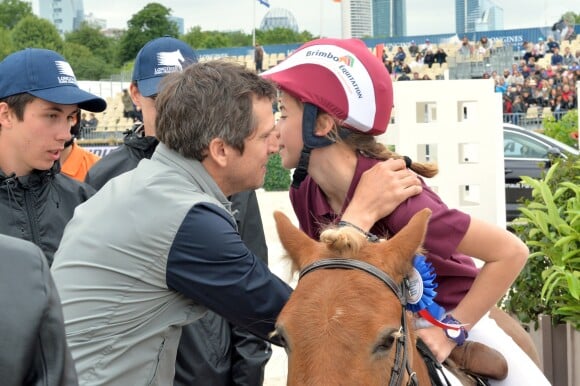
402 349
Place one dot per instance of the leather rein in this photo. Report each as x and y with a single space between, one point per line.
402 347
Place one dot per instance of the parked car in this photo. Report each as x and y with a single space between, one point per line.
526 153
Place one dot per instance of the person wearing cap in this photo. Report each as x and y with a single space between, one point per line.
413 49
211 350
426 46
331 111
39 101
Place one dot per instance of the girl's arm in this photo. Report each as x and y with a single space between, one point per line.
504 256
380 190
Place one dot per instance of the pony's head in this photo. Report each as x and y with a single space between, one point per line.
341 326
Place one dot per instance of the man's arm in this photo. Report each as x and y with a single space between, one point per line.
209 263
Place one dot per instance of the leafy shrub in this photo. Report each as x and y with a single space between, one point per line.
550 226
564 130
277 178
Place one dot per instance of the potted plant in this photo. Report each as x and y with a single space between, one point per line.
549 285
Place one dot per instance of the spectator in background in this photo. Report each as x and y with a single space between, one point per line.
540 48
528 98
39 101
426 46
556 57
389 66
416 76
531 54
506 74
569 59
128 106
413 49
93 122
507 106
485 46
515 78
400 55
403 76
518 109
74 160
440 56
258 57
551 44
568 97
500 85
429 58
465 48
417 62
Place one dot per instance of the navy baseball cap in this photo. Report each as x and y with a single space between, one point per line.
158 58
45 75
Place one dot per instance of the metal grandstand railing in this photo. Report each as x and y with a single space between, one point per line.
533 118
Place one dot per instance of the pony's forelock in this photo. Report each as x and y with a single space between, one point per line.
345 241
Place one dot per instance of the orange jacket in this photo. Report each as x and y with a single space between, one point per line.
78 163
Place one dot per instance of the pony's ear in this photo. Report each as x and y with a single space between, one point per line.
299 246
408 240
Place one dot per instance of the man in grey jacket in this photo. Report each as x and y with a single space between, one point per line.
158 246
33 349
211 350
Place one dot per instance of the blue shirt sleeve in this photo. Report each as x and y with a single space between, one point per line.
209 263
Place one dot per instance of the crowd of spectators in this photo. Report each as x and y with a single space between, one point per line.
401 66
543 79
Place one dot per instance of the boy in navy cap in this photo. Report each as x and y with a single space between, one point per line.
211 351
39 100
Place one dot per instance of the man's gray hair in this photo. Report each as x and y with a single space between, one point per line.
209 100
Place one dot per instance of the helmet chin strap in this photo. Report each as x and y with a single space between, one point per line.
311 141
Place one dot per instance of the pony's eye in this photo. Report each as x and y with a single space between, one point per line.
385 344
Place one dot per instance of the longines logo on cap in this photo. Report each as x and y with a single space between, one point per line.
169 62
65 71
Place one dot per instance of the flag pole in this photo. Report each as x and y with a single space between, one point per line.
321 18
254 24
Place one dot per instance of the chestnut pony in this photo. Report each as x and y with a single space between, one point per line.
345 323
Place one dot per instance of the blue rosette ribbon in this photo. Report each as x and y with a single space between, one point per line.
421 293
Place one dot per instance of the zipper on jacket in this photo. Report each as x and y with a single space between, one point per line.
31 217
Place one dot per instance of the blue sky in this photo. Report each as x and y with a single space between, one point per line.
424 16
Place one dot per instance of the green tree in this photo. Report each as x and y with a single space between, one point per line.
34 32
100 46
149 23
6 46
12 11
85 64
571 17
282 36
216 40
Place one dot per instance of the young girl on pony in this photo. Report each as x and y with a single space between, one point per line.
335 97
